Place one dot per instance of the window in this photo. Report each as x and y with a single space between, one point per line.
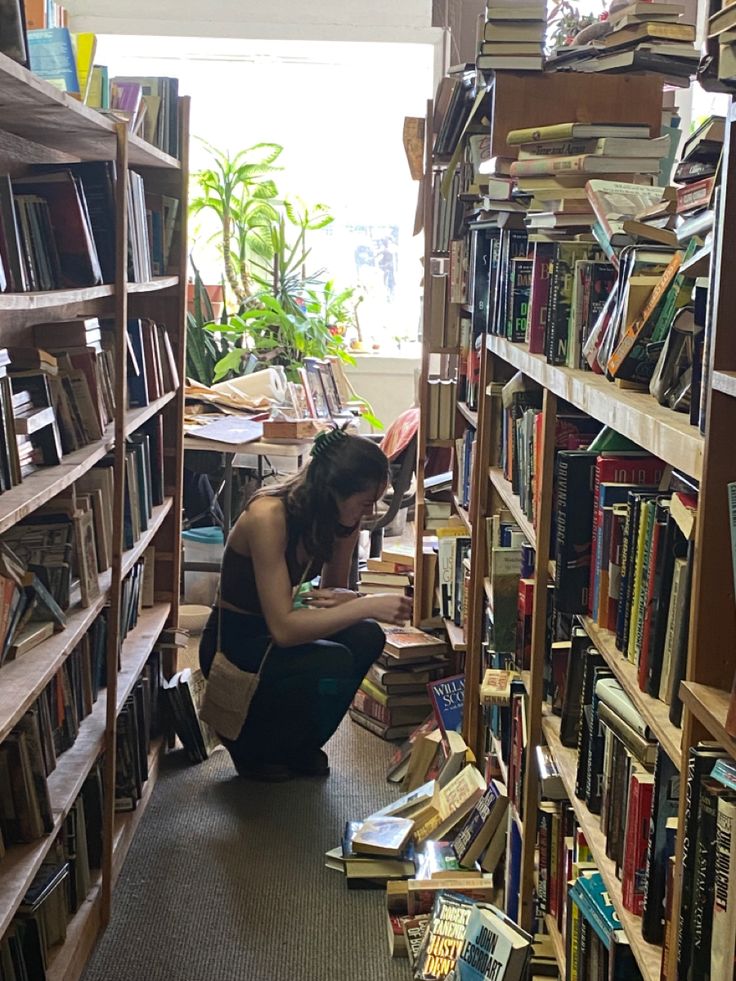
338 111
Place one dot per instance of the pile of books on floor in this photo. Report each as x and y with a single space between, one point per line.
513 36
394 696
645 36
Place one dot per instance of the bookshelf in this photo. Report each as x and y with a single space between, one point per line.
704 460
40 125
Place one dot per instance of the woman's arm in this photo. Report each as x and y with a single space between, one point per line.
267 539
336 571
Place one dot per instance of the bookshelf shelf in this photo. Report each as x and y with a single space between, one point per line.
463 513
666 434
710 707
46 482
137 646
455 636
648 956
558 943
654 712
127 823
136 417
68 959
17 869
25 678
58 299
133 554
441 442
154 285
469 414
725 381
41 114
511 501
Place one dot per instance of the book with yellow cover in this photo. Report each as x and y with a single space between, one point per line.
576 131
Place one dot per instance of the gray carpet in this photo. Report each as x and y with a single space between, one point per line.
225 879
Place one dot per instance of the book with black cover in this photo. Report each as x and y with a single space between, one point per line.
570 715
574 477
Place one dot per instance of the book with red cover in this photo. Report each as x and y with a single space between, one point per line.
638 819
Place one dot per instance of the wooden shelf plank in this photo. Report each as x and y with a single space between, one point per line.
557 942
637 415
154 285
17 869
441 442
648 956
136 417
455 635
724 381
37 111
67 960
126 824
469 414
138 645
513 504
133 554
463 513
654 712
22 681
710 707
51 299
46 482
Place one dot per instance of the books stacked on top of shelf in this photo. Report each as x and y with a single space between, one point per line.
513 36
386 577
640 37
453 105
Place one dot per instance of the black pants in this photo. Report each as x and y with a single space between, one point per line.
304 691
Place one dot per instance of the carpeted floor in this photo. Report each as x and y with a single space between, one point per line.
225 880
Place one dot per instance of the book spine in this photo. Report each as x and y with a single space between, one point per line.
704 873
548 166
537 321
551 339
724 905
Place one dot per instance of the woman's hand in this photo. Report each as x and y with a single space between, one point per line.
325 599
388 607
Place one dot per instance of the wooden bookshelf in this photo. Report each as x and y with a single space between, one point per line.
655 713
470 415
462 513
557 943
710 707
511 501
41 125
725 381
666 434
648 956
455 636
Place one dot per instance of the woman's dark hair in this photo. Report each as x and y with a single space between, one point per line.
340 465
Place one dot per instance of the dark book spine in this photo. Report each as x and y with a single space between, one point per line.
624 584
662 592
594 777
573 540
701 922
570 718
700 763
499 272
555 282
631 569
544 839
664 806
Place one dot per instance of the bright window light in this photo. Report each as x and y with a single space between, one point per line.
338 112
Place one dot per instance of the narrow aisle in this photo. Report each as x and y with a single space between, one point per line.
225 880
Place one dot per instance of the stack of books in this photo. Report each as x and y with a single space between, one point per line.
696 178
381 576
393 697
513 36
645 37
722 31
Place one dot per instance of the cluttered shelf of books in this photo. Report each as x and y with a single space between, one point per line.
91 357
575 264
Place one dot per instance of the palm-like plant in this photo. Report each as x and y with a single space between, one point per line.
239 189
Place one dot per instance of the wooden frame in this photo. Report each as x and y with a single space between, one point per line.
38 124
711 667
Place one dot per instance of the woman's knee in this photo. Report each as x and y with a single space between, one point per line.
366 639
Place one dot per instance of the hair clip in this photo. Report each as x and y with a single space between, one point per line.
327 438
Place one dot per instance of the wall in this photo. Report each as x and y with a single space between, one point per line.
387 382
328 20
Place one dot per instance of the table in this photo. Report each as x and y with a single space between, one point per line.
262 450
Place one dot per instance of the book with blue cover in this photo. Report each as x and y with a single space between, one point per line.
51 57
448 699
